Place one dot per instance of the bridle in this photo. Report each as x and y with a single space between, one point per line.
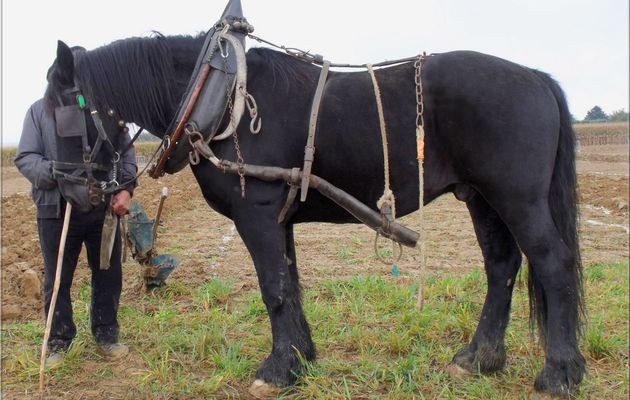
71 120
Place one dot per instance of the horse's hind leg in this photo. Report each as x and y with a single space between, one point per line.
556 289
274 259
502 259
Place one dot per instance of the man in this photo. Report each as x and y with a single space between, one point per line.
36 151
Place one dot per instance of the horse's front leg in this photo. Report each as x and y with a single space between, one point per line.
272 249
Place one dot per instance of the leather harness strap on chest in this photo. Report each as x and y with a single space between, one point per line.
295 182
309 150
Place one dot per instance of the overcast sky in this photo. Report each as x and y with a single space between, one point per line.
582 43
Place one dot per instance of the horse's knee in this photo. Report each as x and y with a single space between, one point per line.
274 299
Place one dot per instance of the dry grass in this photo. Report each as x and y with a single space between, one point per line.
602 129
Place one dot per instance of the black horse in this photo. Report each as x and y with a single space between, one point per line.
498 135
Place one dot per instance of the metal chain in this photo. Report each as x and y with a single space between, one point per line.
256 121
419 90
239 156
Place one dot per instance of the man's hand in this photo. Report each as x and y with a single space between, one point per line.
121 202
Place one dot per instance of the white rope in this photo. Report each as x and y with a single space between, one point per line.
387 199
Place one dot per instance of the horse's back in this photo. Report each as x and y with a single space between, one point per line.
498 122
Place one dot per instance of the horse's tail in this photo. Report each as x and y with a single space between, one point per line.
563 202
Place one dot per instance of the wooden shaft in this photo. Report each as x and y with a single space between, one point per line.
360 211
159 213
365 214
53 300
177 133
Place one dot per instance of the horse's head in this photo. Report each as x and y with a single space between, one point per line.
74 110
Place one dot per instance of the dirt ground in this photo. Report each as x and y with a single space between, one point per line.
209 246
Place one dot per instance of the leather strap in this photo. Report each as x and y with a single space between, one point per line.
293 184
309 150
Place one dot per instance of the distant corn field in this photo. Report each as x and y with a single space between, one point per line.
602 133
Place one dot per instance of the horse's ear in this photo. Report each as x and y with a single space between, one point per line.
65 61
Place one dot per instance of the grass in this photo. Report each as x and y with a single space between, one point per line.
373 342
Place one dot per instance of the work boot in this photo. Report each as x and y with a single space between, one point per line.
54 359
113 351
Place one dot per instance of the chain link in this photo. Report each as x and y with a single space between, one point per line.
239 156
419 90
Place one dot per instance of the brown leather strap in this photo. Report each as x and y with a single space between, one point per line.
309 150
158 170
293 183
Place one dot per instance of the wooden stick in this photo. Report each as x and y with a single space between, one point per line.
360 211
181 124
159 213
53 300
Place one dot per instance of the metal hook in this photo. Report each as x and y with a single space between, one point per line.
255 125
225 51
193 157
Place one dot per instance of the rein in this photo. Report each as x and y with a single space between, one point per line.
319 60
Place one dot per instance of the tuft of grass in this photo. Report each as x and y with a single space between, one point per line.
212 294
372 340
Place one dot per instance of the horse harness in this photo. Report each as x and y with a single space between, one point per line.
229 32
387 203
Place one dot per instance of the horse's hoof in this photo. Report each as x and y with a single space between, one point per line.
457 373
262 390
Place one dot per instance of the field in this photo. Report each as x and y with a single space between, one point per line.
203 335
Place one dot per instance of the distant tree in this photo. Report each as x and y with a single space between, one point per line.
595 113
618 116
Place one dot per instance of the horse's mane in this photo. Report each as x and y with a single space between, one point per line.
135 76
287 71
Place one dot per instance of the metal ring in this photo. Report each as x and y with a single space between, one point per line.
166 143
193 137
382 259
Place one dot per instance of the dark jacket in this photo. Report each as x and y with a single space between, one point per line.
37 149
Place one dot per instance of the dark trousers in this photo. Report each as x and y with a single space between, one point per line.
106 284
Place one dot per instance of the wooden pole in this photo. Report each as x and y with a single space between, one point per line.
53 300
159 213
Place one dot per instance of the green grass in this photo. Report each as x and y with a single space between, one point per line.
373 342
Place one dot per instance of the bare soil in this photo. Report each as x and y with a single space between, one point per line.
209 246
